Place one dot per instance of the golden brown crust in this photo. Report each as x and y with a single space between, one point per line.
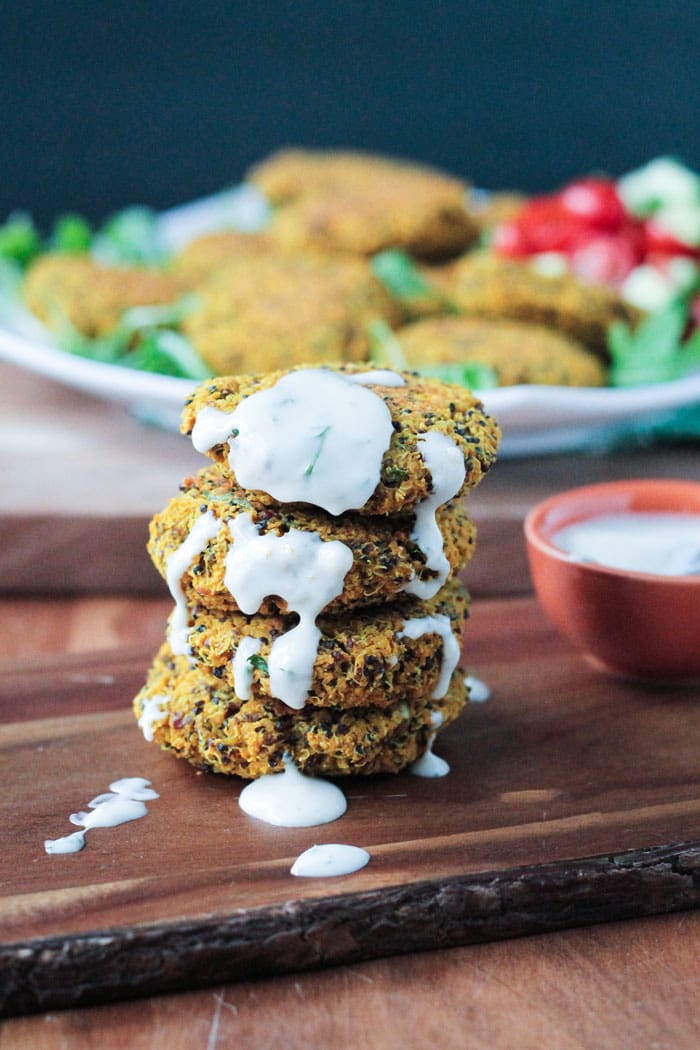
485 285
283 309
421 405
360 660
92 297
202 721
385 558
362 203
203 257
517 351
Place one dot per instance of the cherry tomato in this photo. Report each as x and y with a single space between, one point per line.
658 240
595 201
546 226
509 240
605 258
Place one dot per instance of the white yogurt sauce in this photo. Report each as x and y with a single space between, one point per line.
430 765
665 544
329 861
292 800
450 647
314 437
204 529
378 377
479 691
445 462
307 572
243 667
124 801
154 710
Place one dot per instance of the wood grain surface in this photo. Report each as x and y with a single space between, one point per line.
554 780
611 986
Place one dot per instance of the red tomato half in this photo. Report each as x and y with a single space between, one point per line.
595 201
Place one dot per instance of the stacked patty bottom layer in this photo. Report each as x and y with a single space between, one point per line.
331 632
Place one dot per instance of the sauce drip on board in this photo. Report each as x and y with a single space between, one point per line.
124 801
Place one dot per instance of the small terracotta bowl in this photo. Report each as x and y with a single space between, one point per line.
636 624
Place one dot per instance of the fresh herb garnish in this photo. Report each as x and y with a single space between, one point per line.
384 347
314 459
656 351
404 281
471 374
19 239
258 662
71 233
131 237
140 342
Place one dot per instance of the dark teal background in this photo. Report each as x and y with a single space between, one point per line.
104 104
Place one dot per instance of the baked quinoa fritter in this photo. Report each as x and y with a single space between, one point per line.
518 352
205 255
200 718
419 406
485 285
273 311
361 658
385 557
92 297
361 203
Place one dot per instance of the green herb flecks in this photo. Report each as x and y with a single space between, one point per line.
404 281
258 662
321 437
656 351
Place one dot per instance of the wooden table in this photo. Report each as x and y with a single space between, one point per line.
81 478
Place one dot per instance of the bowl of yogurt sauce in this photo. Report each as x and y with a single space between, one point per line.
616 566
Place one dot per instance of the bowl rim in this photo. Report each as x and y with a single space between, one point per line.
599 490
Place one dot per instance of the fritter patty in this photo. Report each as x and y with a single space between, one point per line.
485 285
206 255
92 297
361 203
200 719
489 209
518 352
421 405
278 310
360 661
385 557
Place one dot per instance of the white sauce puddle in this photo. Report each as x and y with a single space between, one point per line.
479 692
666 544
153 711
329 861
203 530
445 462
450 647
314 437
124 801
308 573
430 765
292 800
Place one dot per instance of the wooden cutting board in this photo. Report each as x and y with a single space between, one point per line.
574 798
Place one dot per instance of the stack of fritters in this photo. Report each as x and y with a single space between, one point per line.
380 682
